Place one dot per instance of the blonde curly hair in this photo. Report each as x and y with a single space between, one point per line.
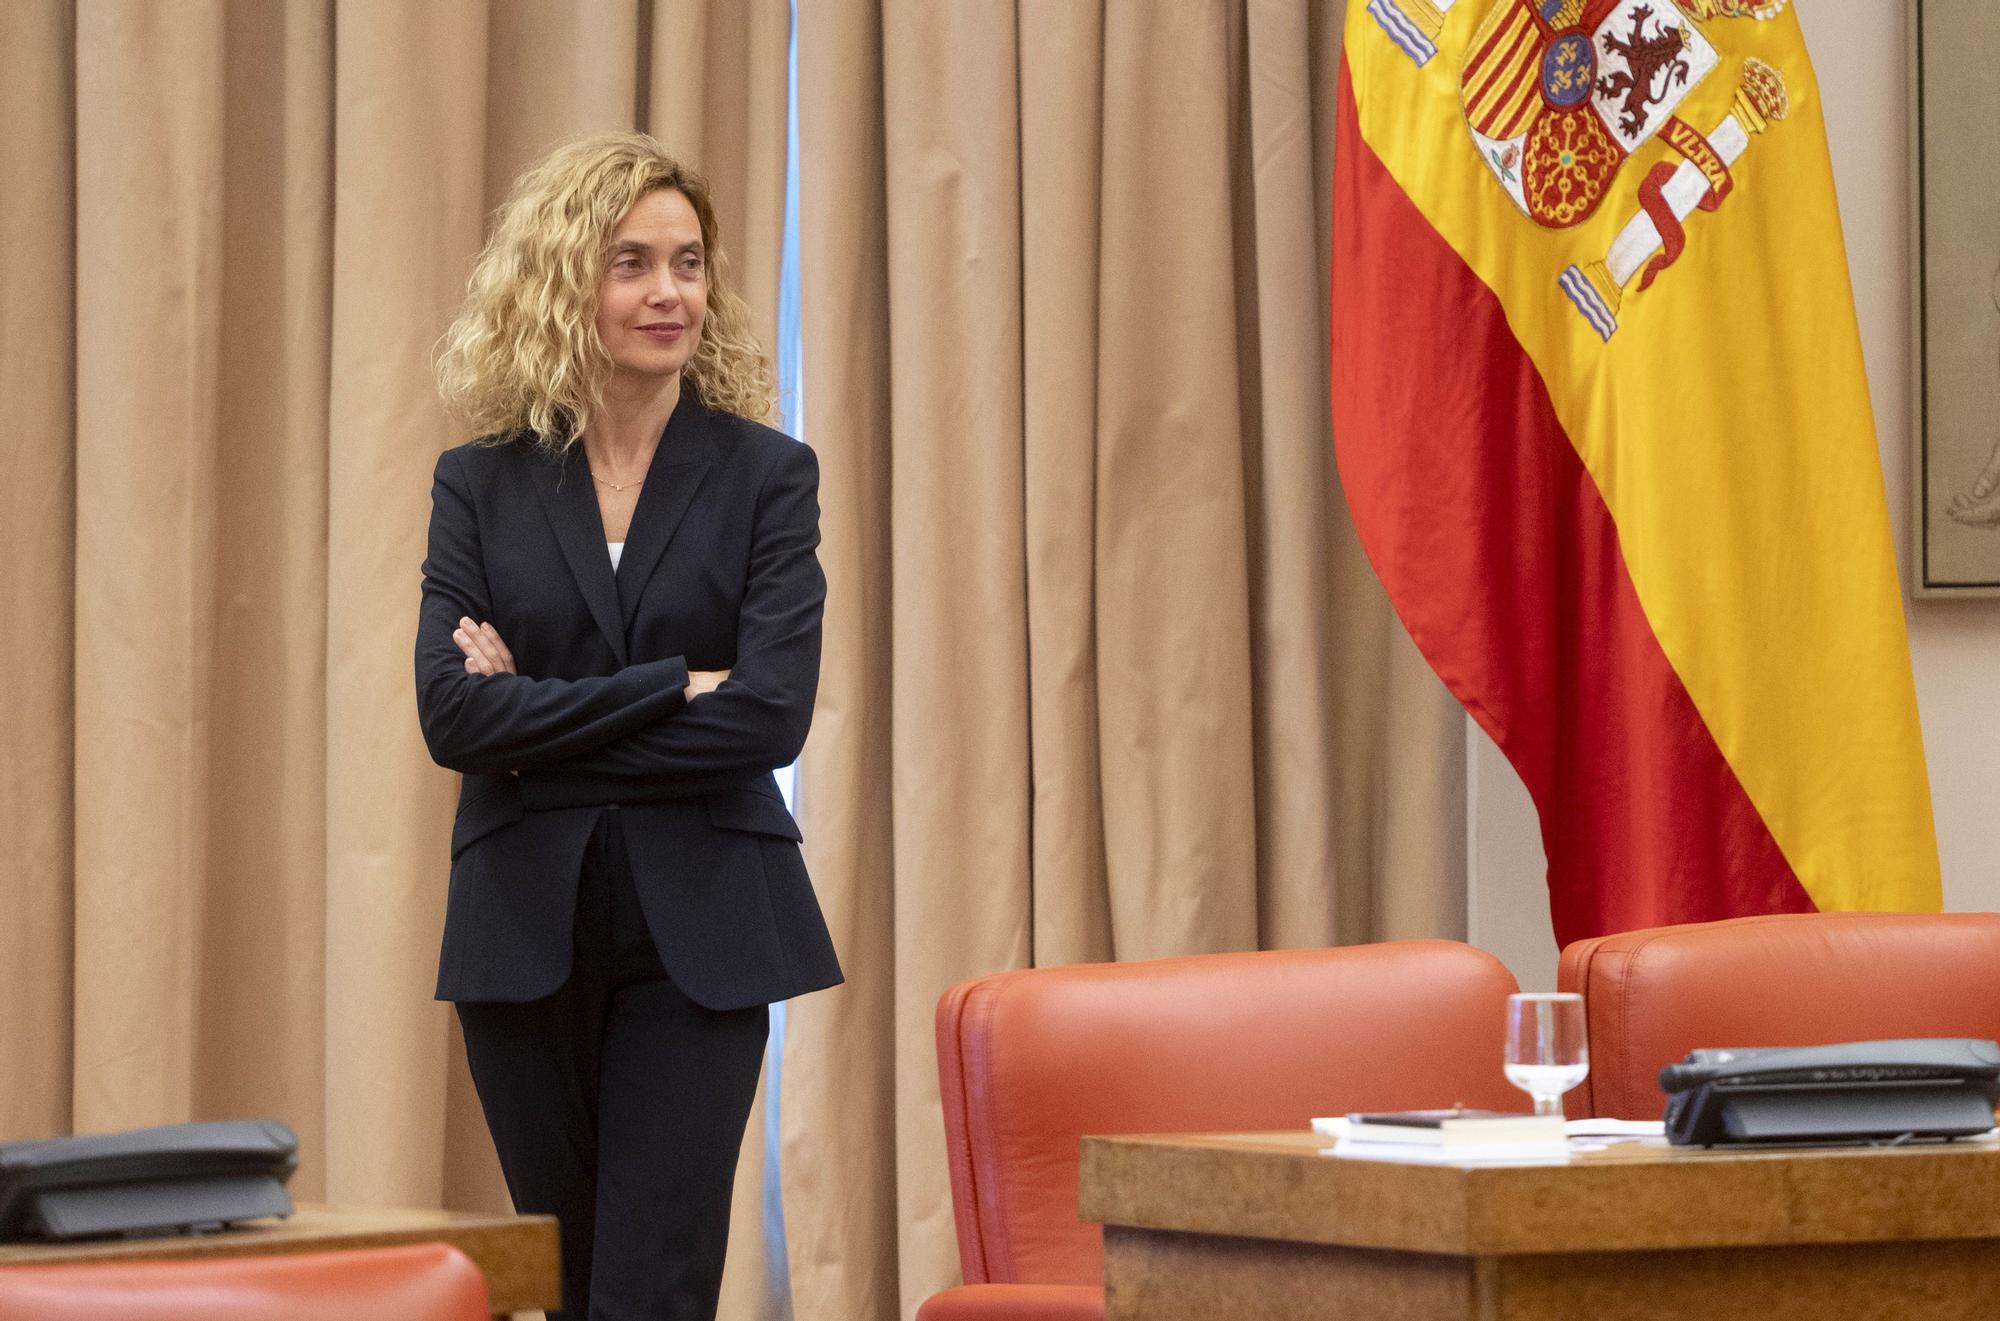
524 351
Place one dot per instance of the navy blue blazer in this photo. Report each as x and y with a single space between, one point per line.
718 572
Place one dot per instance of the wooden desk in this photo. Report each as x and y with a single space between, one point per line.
1268 1226
517 1254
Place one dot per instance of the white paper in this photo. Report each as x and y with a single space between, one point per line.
1505 1153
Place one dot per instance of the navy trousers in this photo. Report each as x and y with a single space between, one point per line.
618 1105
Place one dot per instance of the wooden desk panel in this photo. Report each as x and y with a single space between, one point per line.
1202 1227
517 1254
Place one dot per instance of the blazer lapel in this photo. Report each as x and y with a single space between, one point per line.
680 464
571 505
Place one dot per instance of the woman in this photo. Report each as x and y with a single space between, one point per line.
619 642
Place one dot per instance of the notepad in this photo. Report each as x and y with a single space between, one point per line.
1452 1128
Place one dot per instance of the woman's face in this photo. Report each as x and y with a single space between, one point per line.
655 289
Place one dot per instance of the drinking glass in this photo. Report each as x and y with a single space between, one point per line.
1546 1050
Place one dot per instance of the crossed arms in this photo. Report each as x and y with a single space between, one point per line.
652 730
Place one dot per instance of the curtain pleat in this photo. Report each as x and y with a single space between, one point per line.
263 917
838 1142
1173 607
1106 675
554 71
148 341
236 230
1061 99
1289 469
957 556
409 114
37 563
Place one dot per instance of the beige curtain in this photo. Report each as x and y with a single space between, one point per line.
1106 674
234 230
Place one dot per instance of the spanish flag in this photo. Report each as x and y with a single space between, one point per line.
1600 415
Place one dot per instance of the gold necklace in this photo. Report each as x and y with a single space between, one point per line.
614 485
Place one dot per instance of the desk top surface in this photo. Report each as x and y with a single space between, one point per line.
1627 1197
312 1225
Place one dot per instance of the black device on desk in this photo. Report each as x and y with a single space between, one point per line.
1861 1091
181 1179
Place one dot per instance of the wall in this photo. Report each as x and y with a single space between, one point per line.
1860 49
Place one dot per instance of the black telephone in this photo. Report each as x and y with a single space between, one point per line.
1860 1091
181 1179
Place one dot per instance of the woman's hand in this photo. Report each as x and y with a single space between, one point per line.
484 652
703 681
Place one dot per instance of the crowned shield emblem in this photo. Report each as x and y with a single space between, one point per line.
1560 93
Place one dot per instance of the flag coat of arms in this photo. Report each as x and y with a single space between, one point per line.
1601 417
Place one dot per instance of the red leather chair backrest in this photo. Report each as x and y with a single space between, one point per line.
1031 1061
1798 979
412 1282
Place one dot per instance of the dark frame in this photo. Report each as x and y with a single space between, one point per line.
1954 203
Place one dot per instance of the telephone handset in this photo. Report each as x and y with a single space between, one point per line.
1859 1091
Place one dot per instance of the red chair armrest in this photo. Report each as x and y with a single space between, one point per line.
1015 1302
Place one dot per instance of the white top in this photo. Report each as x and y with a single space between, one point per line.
616 548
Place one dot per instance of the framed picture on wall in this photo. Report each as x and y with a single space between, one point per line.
1955 289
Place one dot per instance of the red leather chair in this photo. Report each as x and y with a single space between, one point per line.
1031 1061
412 1282
1800 979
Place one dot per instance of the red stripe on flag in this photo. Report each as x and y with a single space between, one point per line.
1503 561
